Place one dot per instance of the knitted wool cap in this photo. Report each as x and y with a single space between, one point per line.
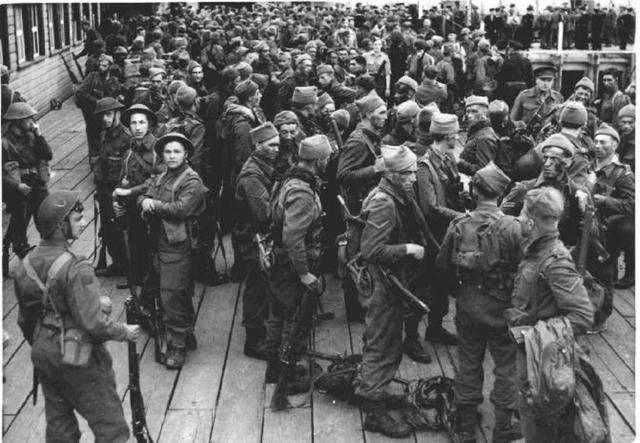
245 89
316 147
262 133
573 113
305 95
586 82
369 103
399 158
627 111
605 129
559 141
407 111
444 124
285 118
408 81
476 100
493 177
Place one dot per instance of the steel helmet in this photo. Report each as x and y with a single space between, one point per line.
54 209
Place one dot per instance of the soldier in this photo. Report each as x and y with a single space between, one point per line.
548 273
359 170
481 279
96 85
140 162
296 219
583 92
25 173
613 99
74 308
304 67
537 101
614 198
430 90
288 126
404 128
252 204
171 205
482 142
389 240
627 129
114 141
341 95
303 104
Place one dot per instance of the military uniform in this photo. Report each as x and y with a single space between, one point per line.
139 163
627 149
479 149
191 126
24 160
341 95
528 102
297 227
179 195
252 216
559 292
106 169
90 390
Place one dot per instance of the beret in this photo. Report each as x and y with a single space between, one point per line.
476 100
627 111
559 141
305 95
369 103
407 111
285 118
245 89
605 129
314 148
587 83
408 81
323 100
493 177
573 113
324 69
262 133
399 158
444 124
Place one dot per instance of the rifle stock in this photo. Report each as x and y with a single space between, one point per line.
402 290
336 132
138 417
583 245
72 76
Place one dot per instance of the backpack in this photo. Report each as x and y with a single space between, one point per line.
476 247
32 303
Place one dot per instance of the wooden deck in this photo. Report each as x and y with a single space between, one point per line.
220 394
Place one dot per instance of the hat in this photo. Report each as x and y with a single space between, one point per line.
605 129
437 39
498 107
314 148
173 137
407 111
244 69
342 118
399 158
303 57
559 141
545 71
465 31
156 71
420 44
408 81
573 113
627 111
493 177
19 111
545 202
323 100
261 80
324 69
476 100
369 103
193 65
107 104
174 86
305 95
262 133
186 97
245 89
444 124
121 50
105 57
138 108
587 83
286 118
53 210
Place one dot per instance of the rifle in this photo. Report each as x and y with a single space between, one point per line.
279 400
102 256
402 290
138 419
535 124
160 345
78 66
336 132
583 245
72 76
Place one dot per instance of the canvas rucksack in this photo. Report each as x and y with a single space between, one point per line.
476 247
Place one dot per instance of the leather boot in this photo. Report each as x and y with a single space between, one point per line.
505 430
272 374
415 351
467 421
176 358
438 334
379 420
253 345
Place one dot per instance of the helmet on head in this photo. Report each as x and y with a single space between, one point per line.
54 209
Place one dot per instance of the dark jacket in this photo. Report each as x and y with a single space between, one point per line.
480 148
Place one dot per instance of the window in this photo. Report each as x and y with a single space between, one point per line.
4 28
76 16
67 24
57 26
29 32
20 42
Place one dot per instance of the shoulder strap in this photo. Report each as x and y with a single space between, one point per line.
178 181
539 274
126 163
369 144
54 269
436 180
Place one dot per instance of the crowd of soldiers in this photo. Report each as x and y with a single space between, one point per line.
253 122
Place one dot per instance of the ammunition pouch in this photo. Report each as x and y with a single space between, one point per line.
176 231
76 348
